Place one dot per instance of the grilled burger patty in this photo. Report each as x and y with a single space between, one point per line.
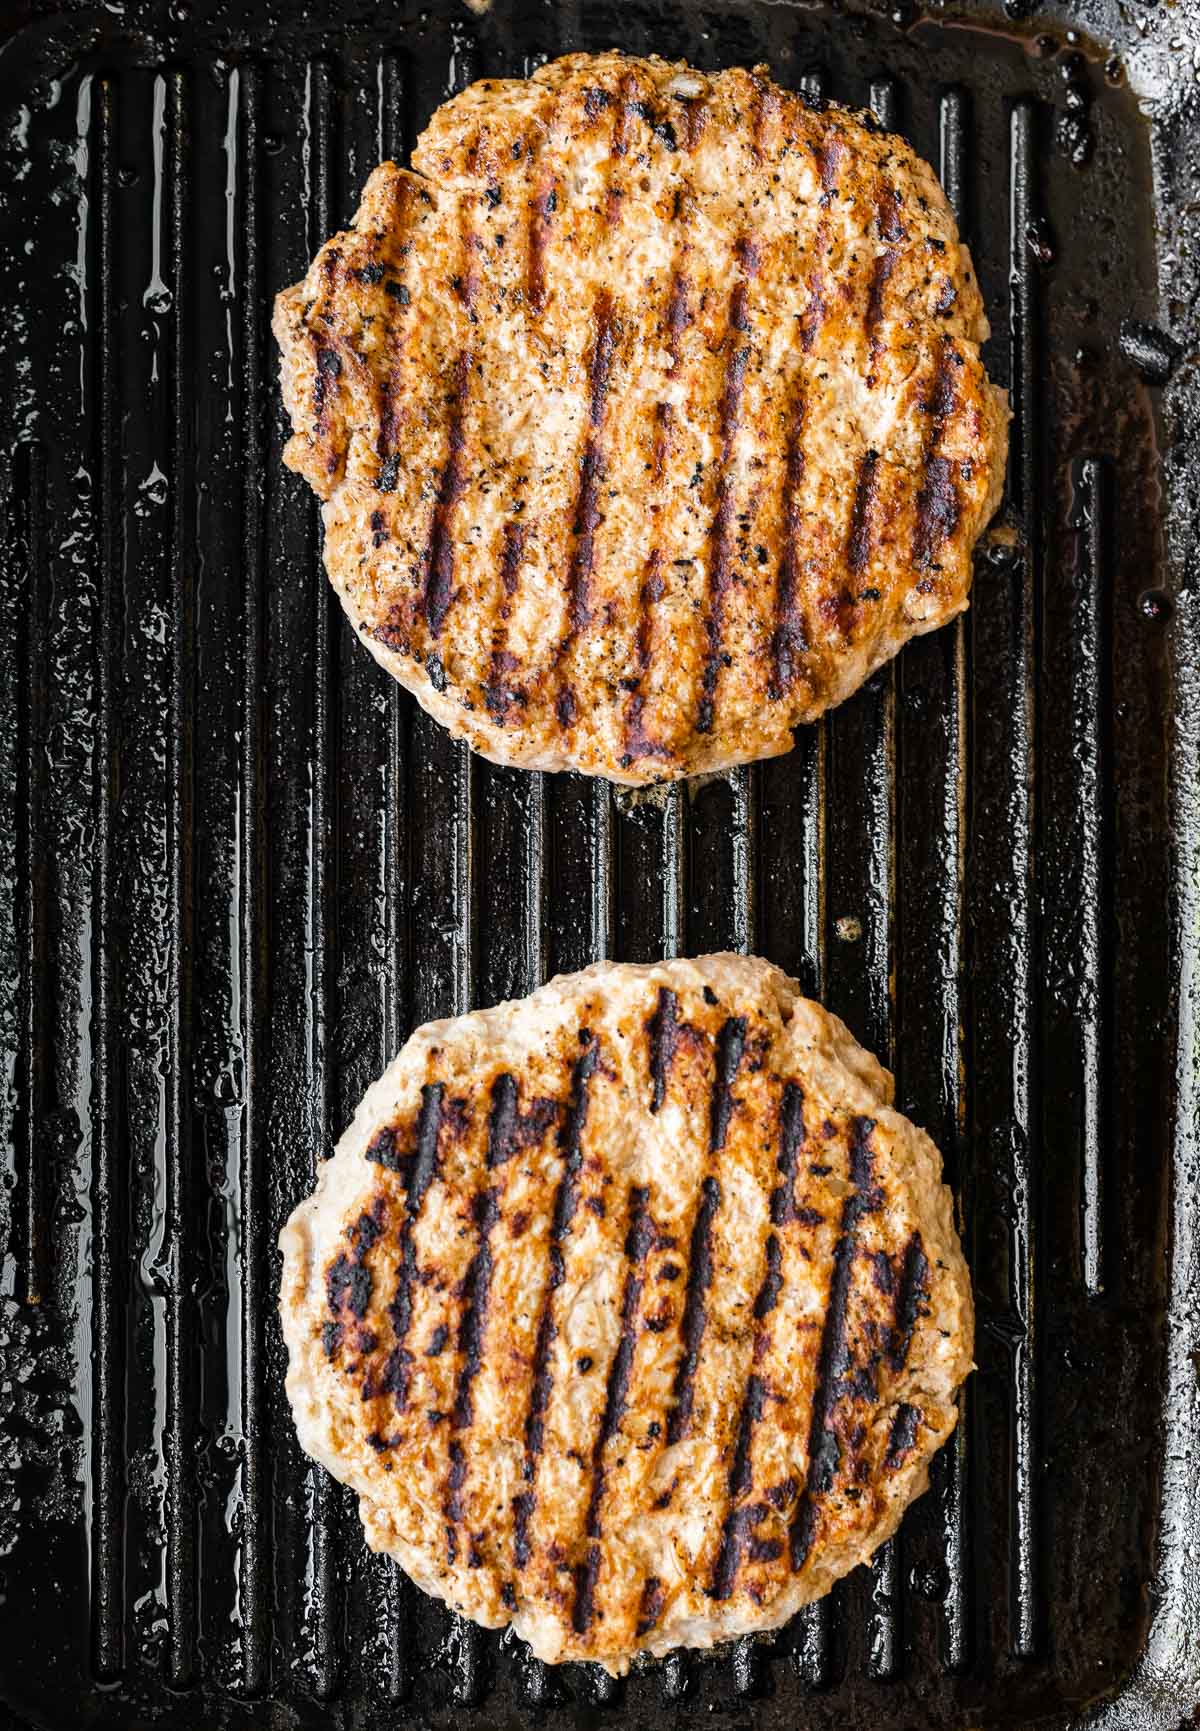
648 414
633 1311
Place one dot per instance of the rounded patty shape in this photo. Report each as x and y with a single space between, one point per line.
633 1311
648 414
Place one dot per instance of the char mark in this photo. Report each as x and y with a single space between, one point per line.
586 517
511 555
903 1435
679 317
768 1292
439 555
663 1032
829 160
638 742
862 527
329 368
501 691
911 1294
541 212
456 1479
731 1044
791 1141
834 1358
721 536
586 1575
790 641
650 1608
938 507
421 1173
511 1131
937 511
695 1310
638 1239
881 275
604 341
888 210
818 306
477 1284
741 1475
566 1198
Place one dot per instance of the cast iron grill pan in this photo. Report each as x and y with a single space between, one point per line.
238 866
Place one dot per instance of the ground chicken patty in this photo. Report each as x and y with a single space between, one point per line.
648 414
633 1311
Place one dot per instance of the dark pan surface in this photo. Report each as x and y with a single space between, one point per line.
237 866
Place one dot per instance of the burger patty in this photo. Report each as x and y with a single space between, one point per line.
633 1311
648 414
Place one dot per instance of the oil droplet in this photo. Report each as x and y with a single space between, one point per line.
1040 241
1155 604
849 928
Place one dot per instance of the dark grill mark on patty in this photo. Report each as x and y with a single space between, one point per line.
695 1316
541 212
741 1477
731 1044
829 160
638 1240
566 1198
650 1608
421 1173
663 1032
477 1283
790 641
938 507
937 511
679 317
911 1293
903 1435
834 1358
768 1293
791 1141
881 275
722 539
586 516
862 528
511 1131
500 693
638 742
348 1284
439 555
329 368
